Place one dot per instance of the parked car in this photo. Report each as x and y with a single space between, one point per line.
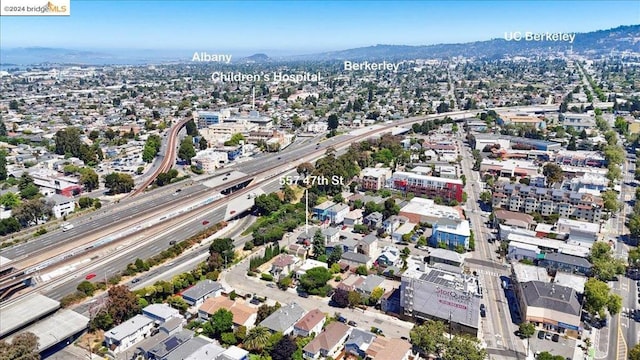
303 294
555 338
342 319
541 334
254 301
352 323
547 336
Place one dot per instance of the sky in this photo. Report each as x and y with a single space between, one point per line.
299 27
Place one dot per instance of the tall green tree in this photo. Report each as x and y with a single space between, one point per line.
186 150
68 141
429 337
118 183
318 244
553 173
464 347
3 165
332 122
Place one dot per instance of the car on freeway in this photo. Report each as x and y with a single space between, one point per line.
228 174
172 242
90 276
136 280
205 222
279 157
224 178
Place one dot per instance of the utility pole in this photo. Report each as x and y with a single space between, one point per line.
450 328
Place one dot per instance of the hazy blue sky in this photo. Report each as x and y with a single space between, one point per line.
303 26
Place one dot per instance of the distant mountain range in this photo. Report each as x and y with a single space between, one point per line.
622 38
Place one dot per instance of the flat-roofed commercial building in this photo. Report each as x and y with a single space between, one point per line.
428 293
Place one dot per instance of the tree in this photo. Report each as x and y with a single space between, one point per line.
340 298
3 165
221 321
314 281
610 200
235 140
257 339
318 244
86 287
376 295
192 129
151 147
335 255
68 141
613 173
265 310
284 349
572 144
24 346
485 197
89 179
224 247
634 352
118 183
464 347
10 200
102 320
305 168
267 203
527 330
3 128
202 144
32 211
122 304
553 173
429 337
605 266
545 355
332 122
9 225
177 302
598 298
186 150
354 298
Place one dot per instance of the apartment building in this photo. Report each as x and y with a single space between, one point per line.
374 178
430 186
546 201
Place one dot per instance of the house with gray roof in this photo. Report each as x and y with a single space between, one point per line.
160 351
358 342
354 259
444 256
284 319
161 312
206 352
128 333
373 220
195 295
566 263
370 282
187 348
368 245
554 306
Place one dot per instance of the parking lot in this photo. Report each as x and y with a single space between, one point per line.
564 347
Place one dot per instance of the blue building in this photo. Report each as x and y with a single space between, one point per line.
207 118
451 234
